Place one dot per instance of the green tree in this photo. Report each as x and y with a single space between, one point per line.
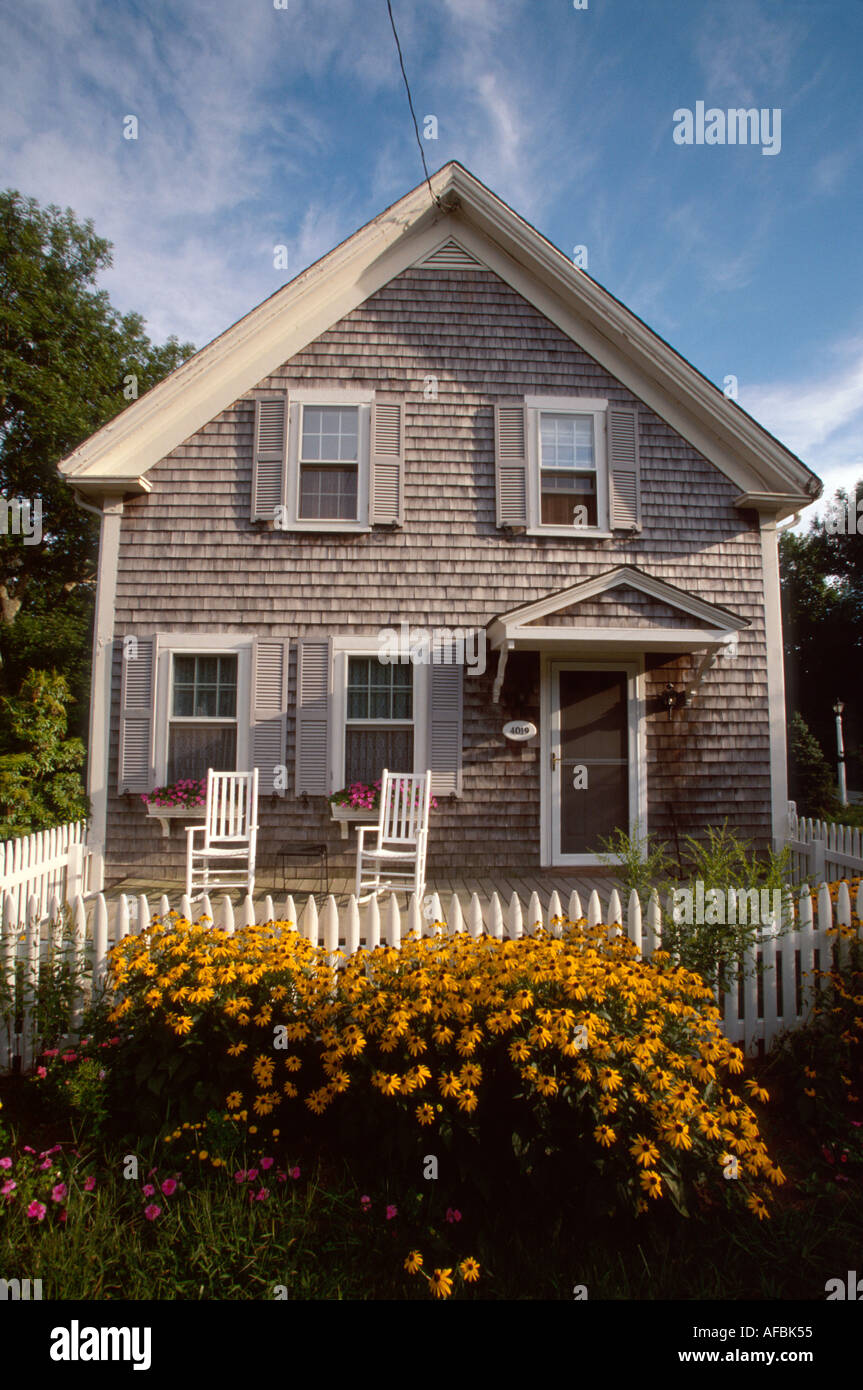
810 780
65 357
40 782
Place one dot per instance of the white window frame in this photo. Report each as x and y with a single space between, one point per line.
336 397
346 646
597 409
196 644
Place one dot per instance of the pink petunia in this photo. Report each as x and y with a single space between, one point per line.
262 1195
148 1190
43 1167
252 1174
365 1203
5 1163
267 1163
58 1192
8 1188
169 1187
240 1175
89 1183
392 1212
294 1172
41 1072
37 1211
152 1211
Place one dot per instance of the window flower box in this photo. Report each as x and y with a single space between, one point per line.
185 800
360 803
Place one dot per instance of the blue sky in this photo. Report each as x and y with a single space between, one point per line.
261 126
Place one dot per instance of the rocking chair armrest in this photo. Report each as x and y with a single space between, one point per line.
361 830
192 830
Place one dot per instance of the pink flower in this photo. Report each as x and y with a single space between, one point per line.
58 1192
392 1212
148 1190
152 1211
8 1188
28 1150
62 1216
295 1173
283 1177
51 1052
267 1163
70 1057
41 1072
365 1203
56 1149
452 1214
37 1210
43 1167
5 1163
169 1187
240 1175
262 1195
252 1174
89 1183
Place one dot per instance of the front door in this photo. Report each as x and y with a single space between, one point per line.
593 757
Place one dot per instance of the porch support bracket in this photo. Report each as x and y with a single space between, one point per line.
728 650
501 669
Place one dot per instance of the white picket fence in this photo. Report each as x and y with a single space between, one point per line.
50 864
762 1004
821 850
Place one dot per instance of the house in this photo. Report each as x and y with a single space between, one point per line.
439 486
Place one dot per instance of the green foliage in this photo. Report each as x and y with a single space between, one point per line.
65 356
41 782
810 781
641 862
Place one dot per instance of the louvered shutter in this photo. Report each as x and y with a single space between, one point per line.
137 700
623 467
268 710
314 663
268 466
510 462
386 490
445 719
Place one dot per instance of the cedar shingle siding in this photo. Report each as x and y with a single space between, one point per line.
191 559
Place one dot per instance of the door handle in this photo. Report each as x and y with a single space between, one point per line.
555 759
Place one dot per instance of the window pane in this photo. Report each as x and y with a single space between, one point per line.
562 493
194 748
566 441
369 751
330 433
184 670
377 690
205 687
184 700
328 493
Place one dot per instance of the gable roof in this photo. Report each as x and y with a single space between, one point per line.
694 624
465 223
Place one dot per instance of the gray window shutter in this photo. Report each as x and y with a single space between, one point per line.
137 701
269 699
268 464
314 664
445 718
623 467
386 487
510 463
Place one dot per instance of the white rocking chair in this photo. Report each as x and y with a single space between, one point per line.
230 832
402 837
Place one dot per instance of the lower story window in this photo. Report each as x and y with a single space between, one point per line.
379 729
202 730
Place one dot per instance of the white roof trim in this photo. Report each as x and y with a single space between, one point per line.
398 238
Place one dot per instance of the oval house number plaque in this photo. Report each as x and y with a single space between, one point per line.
519 730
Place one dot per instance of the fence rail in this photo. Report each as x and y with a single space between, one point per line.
774 992
50 864
821 850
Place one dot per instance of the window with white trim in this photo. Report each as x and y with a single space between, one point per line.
202 726
329 462
379 718
568 482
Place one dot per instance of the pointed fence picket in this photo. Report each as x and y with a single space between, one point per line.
775 991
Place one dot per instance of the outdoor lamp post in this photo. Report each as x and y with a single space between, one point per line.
840 752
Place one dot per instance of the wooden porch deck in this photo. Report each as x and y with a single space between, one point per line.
484 882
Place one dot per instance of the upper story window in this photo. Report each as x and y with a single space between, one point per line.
328 459
568 478
329 462
567 466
